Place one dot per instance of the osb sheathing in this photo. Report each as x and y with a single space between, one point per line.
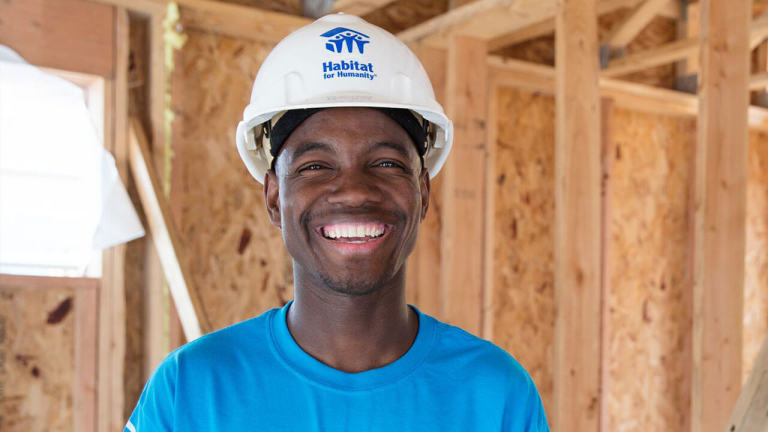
756 275
523 280
36 359
648 297
235 256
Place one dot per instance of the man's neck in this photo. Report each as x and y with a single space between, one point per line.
353 333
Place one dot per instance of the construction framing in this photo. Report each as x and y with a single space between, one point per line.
579 86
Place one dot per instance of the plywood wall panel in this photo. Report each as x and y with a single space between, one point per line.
36 359
523 282
648 297
236 256
756 270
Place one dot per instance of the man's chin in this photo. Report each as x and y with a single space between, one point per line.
352 286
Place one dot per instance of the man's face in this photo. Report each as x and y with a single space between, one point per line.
348 192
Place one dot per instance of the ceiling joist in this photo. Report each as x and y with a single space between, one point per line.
483 19
626 31
674 51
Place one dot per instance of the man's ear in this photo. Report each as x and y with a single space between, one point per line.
424 189
272 197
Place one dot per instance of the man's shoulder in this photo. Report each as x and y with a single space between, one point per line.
459 350
232 340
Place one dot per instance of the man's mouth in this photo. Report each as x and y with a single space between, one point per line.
355 233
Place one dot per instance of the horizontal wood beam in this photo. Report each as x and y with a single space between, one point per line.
482 19
758 81
758 30
628 95
359 7
547 26
663 54
187 299
239 21
143 7
83 41
674 51
624 32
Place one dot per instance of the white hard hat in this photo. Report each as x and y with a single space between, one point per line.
340 61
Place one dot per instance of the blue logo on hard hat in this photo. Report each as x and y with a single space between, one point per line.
340 37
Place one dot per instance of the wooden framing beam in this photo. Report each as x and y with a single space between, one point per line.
547 26
607 158
758 81
424 286
464 188
626 31
759 31
483 19
111 319
188 301
577 219
239 21
660 55
625 94
720 212
674 51
359 7
83 42
749 413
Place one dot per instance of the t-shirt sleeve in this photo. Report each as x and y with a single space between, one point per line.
525 412
154 412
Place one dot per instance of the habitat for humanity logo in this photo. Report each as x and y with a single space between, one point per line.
336 41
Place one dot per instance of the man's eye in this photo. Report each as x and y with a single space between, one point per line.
388 164
311 167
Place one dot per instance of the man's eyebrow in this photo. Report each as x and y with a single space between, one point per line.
396 147
310 146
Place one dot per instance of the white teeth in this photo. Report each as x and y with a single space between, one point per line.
353 231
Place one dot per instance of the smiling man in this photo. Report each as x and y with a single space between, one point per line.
346 158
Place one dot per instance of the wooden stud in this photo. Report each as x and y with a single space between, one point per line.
157 82
187 299
577 219
720 212
464 178
489 211
423 274
749 414
154 346
111 298
607 152
86 337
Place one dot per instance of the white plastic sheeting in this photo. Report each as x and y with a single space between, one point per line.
61 197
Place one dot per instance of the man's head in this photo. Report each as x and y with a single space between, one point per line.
340 61
348 191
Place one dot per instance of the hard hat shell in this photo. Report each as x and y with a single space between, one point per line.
340 61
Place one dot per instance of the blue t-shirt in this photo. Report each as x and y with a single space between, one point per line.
253 376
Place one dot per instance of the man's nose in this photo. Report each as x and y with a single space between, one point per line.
354 188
